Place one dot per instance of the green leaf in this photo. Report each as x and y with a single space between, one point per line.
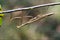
0 21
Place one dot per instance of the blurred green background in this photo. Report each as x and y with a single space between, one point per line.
45 29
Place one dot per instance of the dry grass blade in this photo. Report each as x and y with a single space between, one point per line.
20 18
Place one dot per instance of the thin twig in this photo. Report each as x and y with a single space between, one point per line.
37 6
38 17
20 18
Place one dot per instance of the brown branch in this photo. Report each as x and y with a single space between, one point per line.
38 17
